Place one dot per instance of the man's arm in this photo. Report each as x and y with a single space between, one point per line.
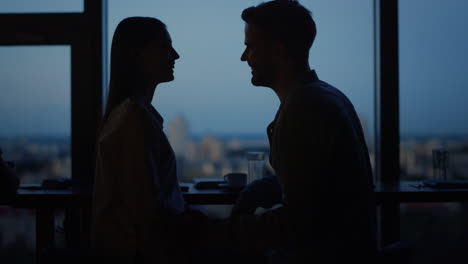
305 140
247 234
265 192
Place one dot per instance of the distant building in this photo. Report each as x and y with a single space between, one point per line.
367 134
212 149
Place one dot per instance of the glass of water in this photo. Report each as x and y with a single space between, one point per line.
256 165
440 163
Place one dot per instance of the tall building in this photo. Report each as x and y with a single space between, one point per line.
178 133
212 149
365 130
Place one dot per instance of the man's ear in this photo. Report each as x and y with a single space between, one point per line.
279 50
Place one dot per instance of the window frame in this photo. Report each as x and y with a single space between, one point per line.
84 33
387 123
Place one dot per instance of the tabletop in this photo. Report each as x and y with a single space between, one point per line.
402 192
417 192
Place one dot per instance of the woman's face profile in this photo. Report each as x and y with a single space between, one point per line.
158 59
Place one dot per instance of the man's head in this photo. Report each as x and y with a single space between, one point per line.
276 32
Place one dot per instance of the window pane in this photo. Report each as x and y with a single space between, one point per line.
433 109
214 114
35 111
343 54
43 6
433 81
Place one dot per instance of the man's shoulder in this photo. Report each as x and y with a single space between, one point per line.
319 94
323 91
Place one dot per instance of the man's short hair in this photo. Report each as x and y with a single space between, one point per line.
284 20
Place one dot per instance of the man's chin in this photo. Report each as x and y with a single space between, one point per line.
258 82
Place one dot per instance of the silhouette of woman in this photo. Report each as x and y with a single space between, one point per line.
135 180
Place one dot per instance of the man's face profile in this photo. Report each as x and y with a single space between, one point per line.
258 55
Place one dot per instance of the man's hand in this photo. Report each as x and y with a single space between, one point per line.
9 182
265 193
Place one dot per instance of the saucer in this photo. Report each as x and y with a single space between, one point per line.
228 186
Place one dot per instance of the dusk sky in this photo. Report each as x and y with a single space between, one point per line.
212 88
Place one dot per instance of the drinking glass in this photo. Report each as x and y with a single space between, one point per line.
256 164
440 163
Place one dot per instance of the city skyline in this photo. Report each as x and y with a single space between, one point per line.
194 135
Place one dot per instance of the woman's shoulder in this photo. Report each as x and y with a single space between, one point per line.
126 117
128 108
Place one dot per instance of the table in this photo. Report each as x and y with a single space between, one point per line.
209 196
45 202
415 192
403 192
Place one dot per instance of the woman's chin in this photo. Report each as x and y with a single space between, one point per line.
168 78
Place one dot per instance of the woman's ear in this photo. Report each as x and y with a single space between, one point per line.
134 54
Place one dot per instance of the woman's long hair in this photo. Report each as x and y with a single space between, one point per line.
131 35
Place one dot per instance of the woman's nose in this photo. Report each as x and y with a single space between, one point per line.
175 54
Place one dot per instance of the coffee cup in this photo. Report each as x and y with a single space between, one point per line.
235 179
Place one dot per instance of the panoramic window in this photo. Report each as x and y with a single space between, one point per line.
43 6
433 85
35 111
433 111
213 114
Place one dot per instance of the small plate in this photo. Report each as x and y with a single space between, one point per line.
228 186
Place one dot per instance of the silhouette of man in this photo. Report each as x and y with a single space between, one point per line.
317 150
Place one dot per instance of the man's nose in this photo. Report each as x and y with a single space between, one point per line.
243 56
